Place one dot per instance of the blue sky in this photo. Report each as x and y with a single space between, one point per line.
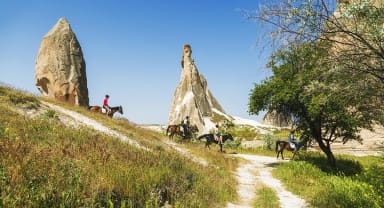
133 49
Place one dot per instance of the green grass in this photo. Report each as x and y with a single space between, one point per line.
356 182
266 197
44 163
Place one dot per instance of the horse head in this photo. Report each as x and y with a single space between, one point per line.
121 110
227 137
194 128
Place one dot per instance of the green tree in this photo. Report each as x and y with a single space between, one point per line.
305 86
331 78
352 29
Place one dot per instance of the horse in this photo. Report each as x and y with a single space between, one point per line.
210 138
177 130
110 114
281 145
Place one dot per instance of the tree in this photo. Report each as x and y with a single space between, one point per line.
342 88
354 28
304 85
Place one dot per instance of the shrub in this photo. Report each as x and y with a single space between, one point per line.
269 141
51 114
345 192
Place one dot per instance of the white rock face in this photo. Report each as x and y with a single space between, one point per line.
192 96
60 66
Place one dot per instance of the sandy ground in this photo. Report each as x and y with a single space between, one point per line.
372 144
257 170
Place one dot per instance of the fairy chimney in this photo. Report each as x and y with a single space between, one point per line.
60 66
192 96
274 118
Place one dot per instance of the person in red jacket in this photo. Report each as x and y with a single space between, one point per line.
105 104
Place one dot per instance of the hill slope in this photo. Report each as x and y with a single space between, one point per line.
48 160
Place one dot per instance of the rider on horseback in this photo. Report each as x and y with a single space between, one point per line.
105 105
291 139
185 124
218 137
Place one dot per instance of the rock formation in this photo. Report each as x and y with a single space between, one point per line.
274 118
192 96
60 66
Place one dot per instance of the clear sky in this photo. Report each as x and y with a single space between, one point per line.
133 49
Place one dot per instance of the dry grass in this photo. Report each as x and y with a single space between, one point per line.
44 163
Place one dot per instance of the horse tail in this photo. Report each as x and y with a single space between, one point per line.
89 108
277 145
167 130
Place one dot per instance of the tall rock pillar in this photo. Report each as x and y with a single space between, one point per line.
60 66
192 96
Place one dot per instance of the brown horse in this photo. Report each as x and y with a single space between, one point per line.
99 109
178 131
281 145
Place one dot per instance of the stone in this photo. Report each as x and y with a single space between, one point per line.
192 96
274 118
60 70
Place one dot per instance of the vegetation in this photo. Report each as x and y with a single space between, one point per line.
357 182
328 99
44 163
266 197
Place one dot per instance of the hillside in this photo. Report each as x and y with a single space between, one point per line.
55 155
48 159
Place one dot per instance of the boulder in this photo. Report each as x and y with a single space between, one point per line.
60 67
274 118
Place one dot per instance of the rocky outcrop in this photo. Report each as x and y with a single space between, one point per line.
274 118
192 96
60 66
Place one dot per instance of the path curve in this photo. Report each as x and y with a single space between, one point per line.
79 118
94 124
258 170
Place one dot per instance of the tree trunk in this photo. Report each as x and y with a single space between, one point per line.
327 151
316 133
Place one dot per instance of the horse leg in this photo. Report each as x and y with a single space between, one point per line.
294 153
282 151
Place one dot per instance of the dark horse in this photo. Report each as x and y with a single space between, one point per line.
178 130
281 145
110 114
210 138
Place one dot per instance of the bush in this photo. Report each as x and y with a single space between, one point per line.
345 192
374 177
269 141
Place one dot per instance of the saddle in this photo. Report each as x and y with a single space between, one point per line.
292 145
103 110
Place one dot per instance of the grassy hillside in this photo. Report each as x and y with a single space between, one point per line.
45 163
356 182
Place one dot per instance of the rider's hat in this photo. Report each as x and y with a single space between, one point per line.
107 96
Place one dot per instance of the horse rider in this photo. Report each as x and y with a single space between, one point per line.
185 124
105 105
218 136
291 139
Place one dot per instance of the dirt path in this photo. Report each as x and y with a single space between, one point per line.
258 170
75 119
79 119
